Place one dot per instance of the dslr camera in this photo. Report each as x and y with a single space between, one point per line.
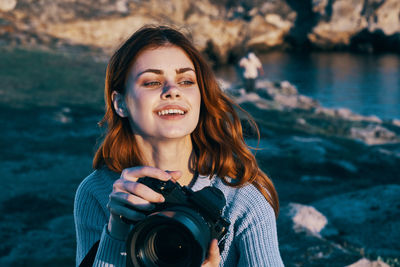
178 231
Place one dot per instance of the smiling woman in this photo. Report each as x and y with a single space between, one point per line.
168 120
162 98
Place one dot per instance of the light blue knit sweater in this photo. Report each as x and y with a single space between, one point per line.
251 239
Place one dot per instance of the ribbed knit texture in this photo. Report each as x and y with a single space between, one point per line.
251 239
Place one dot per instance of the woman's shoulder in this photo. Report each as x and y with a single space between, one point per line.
246 199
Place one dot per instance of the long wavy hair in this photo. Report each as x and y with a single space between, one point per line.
218 143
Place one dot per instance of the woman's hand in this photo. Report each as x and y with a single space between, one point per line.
214 257
129 198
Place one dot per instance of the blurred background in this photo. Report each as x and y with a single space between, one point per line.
327 104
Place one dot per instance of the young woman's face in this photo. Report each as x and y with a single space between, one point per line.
162 95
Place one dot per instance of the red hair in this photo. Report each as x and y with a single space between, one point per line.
218 143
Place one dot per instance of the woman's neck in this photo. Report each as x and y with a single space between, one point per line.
168 155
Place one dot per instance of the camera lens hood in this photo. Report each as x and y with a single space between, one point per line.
177 236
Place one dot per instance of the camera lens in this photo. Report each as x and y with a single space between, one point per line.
168 239
171 245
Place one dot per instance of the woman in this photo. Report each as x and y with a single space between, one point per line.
168 119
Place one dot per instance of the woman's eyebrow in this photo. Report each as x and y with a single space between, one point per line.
182 70
159 72
156 71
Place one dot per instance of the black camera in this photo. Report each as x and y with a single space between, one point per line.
178 231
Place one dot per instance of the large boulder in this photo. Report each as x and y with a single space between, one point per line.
268 31
341 20
366 219
216 37
385 17
305 218
300 241
374 134
357 24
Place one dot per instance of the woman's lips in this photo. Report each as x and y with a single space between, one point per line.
171 112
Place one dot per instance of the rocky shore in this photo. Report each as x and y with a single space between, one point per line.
336 172
338 176
221 29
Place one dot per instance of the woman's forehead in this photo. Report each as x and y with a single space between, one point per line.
162 58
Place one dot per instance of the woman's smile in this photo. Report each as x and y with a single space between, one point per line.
171 112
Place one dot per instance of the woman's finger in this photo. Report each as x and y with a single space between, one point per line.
116 208
176 175
143 191
134 173
214 257
127 199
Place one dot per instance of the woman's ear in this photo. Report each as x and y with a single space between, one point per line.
119 104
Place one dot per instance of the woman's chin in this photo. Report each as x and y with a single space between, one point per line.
174 134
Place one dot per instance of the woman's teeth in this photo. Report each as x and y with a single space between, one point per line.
171 111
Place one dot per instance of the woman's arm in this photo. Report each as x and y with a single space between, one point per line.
257 239
90 222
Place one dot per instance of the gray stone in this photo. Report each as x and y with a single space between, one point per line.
367 263
316 178
366 218
309 150
305 218
374 134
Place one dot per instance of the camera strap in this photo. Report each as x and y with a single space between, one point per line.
90 256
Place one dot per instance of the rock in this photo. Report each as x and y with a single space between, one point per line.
379 156
287 88
299 246
7 5
106 33
305 218
325 111
342 21
374 134
307 150
285 95
396 122
367 263
316 178
174 9
343 113
45 245
376 209
319 6
205 30
345 165
267 32
122 6
301 121
384 18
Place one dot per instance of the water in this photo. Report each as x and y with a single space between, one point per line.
366 84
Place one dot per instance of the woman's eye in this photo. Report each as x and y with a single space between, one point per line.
186 82
152 84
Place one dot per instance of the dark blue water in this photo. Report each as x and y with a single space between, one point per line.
366 84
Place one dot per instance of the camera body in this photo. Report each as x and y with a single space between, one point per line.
178 231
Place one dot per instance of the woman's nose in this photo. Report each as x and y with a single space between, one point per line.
171 91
